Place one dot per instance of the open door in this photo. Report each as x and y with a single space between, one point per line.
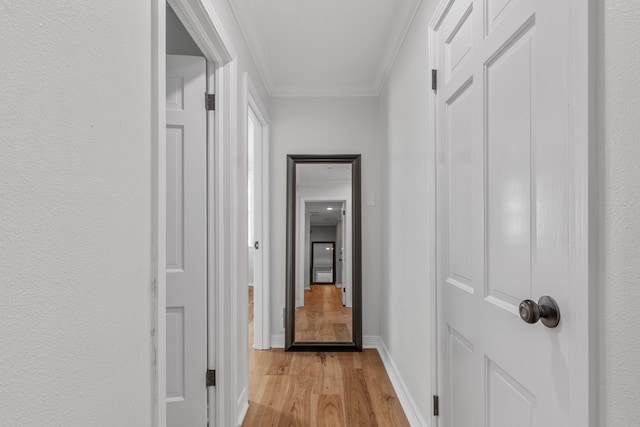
186 241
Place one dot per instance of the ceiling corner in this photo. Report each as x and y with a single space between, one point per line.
244 14
396 41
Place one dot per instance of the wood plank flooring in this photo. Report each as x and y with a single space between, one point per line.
320 389
323 317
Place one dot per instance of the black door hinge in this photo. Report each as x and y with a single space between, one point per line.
434 79
436 406
211 378
210 102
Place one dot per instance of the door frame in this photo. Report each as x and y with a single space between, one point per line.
583 403
205 27
262 294
300 220
333 269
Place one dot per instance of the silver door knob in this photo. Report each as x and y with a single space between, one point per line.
546 309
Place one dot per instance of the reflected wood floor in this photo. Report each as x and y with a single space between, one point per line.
323 317
319 389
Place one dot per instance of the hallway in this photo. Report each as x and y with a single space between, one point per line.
498 171
319 389
323 317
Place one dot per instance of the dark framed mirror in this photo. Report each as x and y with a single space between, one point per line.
324 254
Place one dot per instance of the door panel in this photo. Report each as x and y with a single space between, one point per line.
461 369
460 148
508 402
509 115
503 212
186 242
175 354
175 198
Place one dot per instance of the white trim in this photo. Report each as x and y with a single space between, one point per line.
277 341
261 295
204 26
583 377
249 32
404 396
225 237
371 341
435 22
439 14
393 49
243 406
158 214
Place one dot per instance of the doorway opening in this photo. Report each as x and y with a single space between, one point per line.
253 270
172 329
257 140
323 261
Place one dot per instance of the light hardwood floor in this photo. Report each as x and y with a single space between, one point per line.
323 317
317 389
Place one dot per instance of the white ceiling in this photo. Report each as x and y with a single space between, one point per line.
322 215
324 47
314 173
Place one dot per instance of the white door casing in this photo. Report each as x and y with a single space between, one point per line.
259 248
257 113
186 241
505 205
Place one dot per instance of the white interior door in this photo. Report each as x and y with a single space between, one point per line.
503 211
186 241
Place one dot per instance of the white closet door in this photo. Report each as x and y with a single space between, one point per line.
186 242
504 209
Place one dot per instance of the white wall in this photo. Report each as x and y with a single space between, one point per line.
406 315
327 126
75 213
323 233
618 109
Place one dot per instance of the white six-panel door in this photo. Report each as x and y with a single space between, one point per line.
503 211
186 241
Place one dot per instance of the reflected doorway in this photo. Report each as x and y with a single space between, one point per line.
323 261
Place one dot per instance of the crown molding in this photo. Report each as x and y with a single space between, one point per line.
245 16
249 26
396 41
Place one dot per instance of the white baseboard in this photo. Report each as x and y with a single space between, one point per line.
404 396
243 406
371 341
277 341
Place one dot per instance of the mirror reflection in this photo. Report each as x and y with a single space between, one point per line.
323 252
323 312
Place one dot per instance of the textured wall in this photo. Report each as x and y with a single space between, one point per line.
75 213
619 110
